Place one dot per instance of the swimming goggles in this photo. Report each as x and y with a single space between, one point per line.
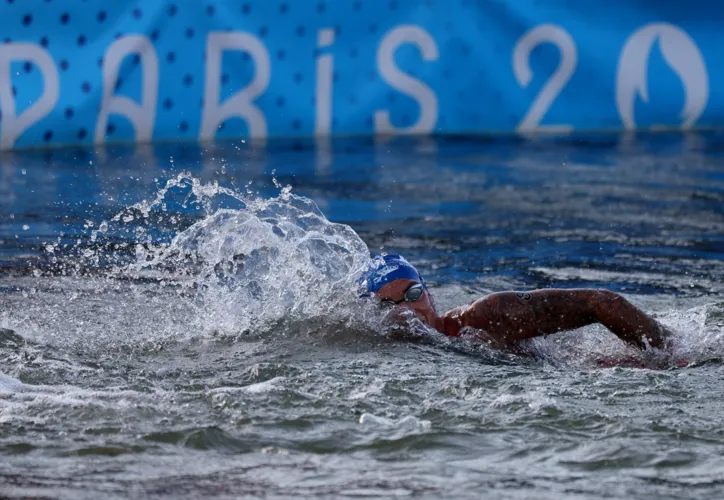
412 294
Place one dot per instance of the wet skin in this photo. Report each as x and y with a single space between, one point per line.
505 317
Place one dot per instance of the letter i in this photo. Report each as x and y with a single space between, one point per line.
323 92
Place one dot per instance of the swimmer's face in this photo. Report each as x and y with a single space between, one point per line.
395 292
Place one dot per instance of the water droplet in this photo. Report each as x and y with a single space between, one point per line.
25 227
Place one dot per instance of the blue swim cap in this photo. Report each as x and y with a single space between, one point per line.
384 269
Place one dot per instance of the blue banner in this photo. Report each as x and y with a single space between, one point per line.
84 72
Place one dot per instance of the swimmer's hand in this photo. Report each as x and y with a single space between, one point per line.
403 324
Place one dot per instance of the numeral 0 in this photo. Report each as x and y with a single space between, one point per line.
545 33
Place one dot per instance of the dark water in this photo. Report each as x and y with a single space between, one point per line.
140 356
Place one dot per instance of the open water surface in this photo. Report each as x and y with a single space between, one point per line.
181 322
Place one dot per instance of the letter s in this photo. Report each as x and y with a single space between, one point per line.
683 57
404 82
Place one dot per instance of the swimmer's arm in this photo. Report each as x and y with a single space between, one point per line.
509 316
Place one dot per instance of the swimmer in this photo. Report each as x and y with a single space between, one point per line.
504 318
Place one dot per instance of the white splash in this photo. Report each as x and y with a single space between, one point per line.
248 268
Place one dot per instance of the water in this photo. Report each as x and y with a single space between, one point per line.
181 322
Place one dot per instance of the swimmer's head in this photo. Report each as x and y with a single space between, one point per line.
384 269
395 281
